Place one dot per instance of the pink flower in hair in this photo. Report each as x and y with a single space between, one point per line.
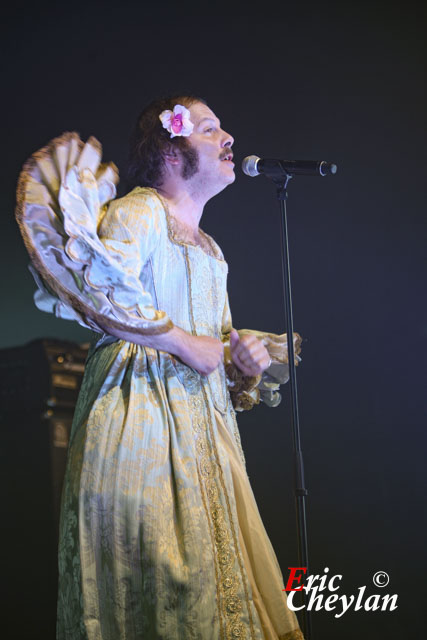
177 122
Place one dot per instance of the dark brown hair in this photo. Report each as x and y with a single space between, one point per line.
149 141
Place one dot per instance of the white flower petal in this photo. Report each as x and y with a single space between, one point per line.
166 119
187 128
179 108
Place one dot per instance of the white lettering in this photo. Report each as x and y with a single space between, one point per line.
375 604
345 606
331 583
315 599
359 598
310 581
323 580
329 600
386 599
291 602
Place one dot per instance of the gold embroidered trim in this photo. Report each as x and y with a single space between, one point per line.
219 387
217 576
227 580
296 634
210 473
233 602
223 558
177 231
237 437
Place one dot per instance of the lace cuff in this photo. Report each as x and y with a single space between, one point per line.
247 391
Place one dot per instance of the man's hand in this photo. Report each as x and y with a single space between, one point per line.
248 354
203 353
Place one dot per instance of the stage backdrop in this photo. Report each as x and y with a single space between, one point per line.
341 82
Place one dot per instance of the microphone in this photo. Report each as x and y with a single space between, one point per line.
252 166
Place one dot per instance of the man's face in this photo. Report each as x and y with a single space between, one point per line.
215 169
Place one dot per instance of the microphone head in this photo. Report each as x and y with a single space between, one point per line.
249 166
327 167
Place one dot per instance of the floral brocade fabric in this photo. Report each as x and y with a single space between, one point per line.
160 535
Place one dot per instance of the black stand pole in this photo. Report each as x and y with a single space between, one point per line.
299 484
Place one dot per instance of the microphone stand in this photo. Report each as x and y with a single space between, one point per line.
281 182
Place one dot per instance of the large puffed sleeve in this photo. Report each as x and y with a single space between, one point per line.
86 250
246 391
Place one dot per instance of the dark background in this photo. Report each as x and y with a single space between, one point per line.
342 82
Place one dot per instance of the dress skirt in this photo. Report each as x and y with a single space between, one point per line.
160 535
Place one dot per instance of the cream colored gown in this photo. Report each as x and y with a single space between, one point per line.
160 535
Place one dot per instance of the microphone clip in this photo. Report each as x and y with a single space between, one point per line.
281 181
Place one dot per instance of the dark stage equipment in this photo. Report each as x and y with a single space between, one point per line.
39 385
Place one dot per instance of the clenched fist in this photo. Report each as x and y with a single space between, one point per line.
248 354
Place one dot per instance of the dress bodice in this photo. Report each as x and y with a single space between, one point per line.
186 281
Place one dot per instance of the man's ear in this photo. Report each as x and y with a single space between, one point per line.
170 155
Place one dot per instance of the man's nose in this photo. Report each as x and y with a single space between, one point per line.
228 140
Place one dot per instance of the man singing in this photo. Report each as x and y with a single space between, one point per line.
160 535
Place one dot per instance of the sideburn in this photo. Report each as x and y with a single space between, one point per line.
190 165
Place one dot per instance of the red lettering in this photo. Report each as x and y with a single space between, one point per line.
292 578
